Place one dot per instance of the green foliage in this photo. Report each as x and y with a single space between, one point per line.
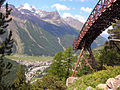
20 81
62 64
5 45
96 78
57 68
115 32
109 55
49 82
84 70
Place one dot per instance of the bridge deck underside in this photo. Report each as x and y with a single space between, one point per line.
107 17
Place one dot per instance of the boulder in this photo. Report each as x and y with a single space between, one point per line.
117 78
89 88
102 86
111 83
71 80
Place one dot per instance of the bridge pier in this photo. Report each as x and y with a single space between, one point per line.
93 61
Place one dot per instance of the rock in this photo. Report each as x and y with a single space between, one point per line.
71 80
89 88
111 83
102 86
117 78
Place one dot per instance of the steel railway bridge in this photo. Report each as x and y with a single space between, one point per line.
105 13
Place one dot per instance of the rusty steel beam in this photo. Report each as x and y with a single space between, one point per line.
81 53
103 13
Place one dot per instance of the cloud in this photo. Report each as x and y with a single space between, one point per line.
26 6
87 9
67 15
71 0
60 7
78 17
105 32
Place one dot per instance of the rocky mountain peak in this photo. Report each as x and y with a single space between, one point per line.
74 23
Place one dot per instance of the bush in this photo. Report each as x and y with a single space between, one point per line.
96 78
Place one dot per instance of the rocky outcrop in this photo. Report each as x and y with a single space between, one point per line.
89 88
71 80
102 86
111 84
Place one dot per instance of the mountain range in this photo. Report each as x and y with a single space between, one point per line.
39 32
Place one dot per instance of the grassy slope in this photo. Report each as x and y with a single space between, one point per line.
30 58
95 78
44 39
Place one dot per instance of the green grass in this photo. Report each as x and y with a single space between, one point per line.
30 58
95 78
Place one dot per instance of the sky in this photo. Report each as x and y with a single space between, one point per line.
78 9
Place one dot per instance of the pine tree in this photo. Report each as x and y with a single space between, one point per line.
115 32
6 45
20 81
69 60
57 67
110 54
62 64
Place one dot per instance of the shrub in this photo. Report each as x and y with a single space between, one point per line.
96 78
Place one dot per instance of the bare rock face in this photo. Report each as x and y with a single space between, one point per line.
102 86
117 78
71 80
111 83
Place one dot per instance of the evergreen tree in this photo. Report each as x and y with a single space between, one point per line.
62 64
20 81
57 68
110 54
6 45
69 61
115 32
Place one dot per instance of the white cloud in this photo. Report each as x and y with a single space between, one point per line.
71 0
67 15
26 6
78 17
87 9
105 32
60 7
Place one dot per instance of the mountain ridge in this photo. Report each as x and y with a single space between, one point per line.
44 34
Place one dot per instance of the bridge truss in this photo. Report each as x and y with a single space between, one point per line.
105 13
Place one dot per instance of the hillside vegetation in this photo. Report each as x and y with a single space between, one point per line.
95 78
